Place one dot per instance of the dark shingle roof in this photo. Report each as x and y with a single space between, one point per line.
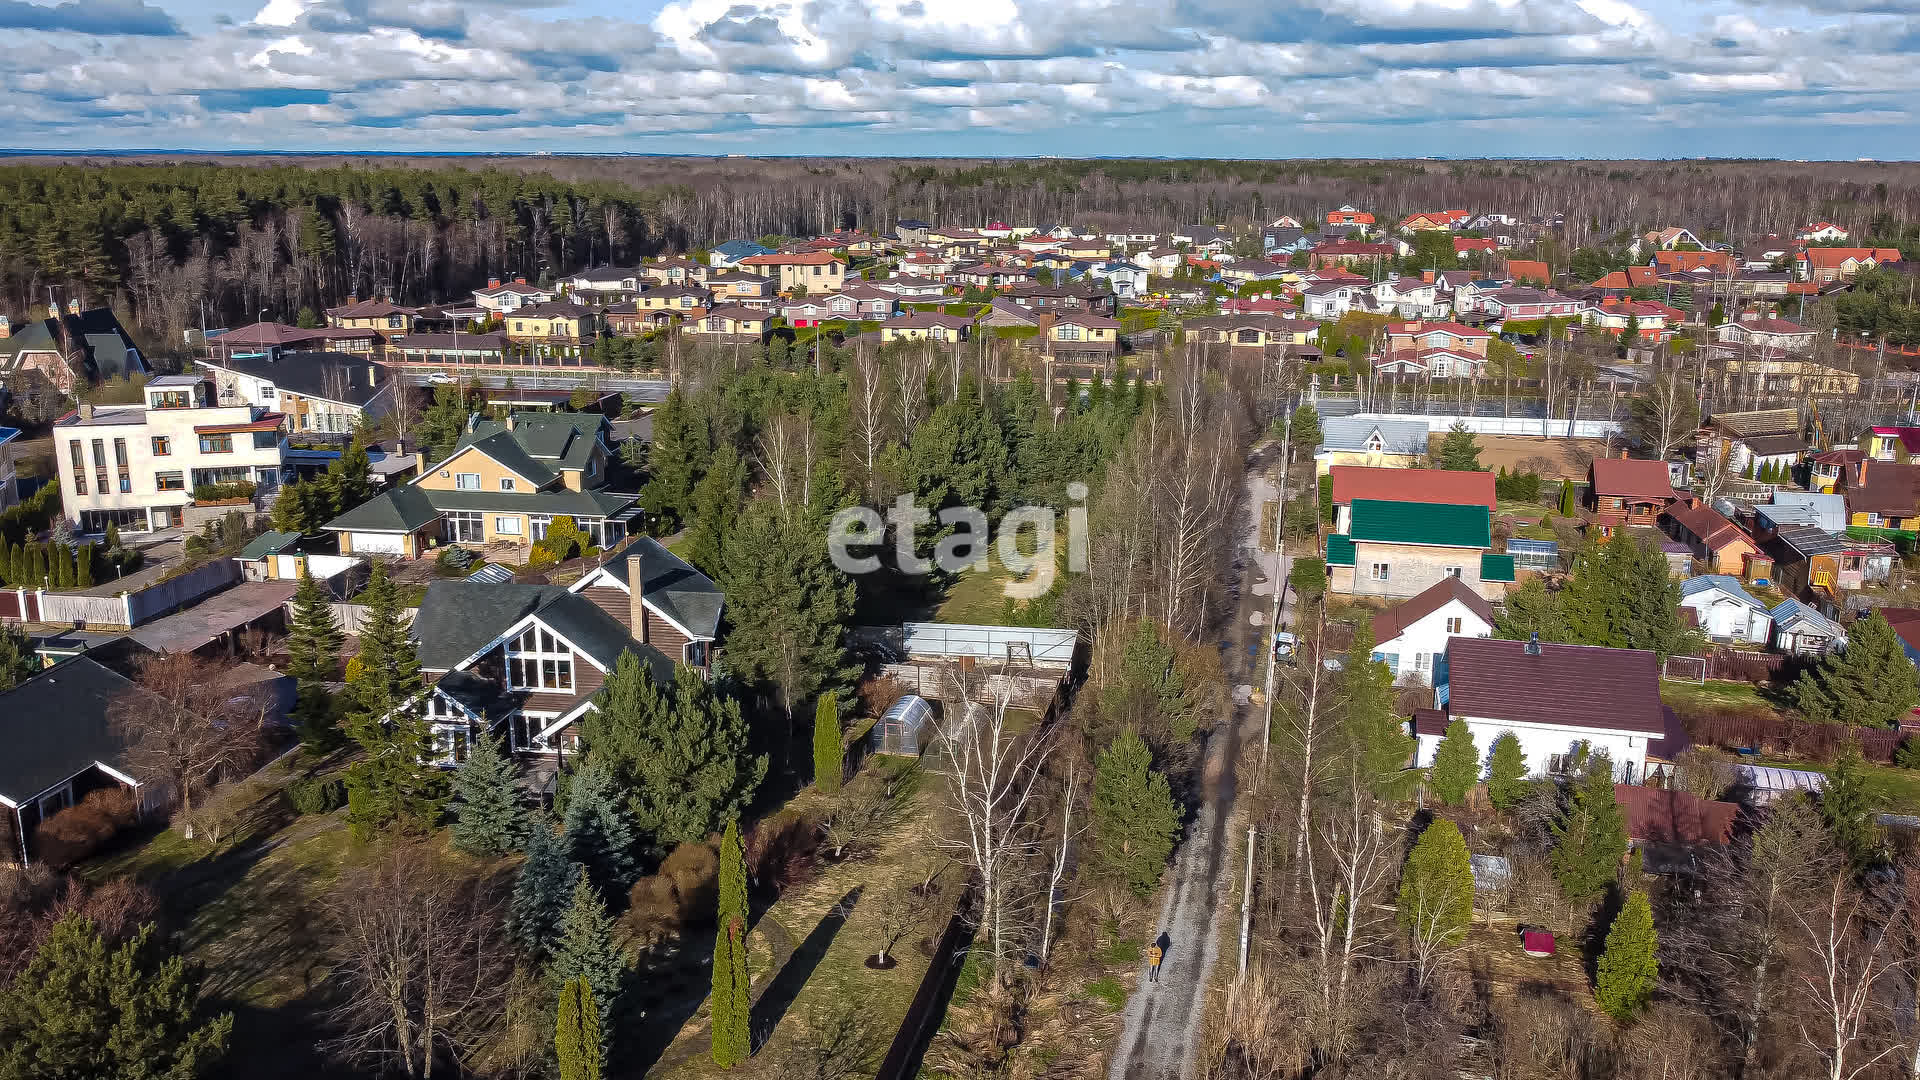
97 332
502 447
341 377
1565 686
600 635
403 509
58 723
458 617
681 592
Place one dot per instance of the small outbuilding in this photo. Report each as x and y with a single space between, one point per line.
905 728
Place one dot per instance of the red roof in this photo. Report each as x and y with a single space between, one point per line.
1528 270
809 258
1632 477
1712 527
1657 816
1414 329
1352 482
1577 686
1828 258
1464 244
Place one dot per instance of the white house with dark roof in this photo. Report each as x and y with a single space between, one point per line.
1411 637
1553 698
317 392
505 296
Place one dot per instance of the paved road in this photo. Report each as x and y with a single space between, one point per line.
1163 1021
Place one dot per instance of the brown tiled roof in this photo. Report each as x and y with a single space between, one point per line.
1565 686
1388 624
1430 722
1888 487
1632 477
1703 521
1352 482
1658 816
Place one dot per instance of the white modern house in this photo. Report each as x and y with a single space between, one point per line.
1411 637
136 466
1556 699
1724 611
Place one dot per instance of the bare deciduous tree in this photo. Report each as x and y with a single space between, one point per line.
185 725
1844 968
422 964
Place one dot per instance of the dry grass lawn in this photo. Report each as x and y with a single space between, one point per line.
1553 459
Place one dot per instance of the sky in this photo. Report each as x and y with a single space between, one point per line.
1180 78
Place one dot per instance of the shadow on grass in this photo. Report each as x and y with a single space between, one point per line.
780 994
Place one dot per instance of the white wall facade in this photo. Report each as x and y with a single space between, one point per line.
1545 744
1722 616
1415 653
149 474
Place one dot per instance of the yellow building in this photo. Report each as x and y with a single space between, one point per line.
925 326
816 271
559 321
730 321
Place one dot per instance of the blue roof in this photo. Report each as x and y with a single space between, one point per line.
8 434
740 249
1726 583
1787 610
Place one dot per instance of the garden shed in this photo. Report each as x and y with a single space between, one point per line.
905 728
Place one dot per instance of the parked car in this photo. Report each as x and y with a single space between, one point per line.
441 378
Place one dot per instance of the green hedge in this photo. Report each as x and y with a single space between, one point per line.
204 493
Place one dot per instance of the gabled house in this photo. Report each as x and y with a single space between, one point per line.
1650 322
1822 265
675 298
1799 630
817 271
507 296
926 326
333 393
1619 282
1475 245
382 318
1353 440
1434 221
1526 304
1081 333
1400 549
1627 492
1530 272
560 328
1883 495
729 322
1285 240
674 270
741 288
1330 299
1408 298
1665 240
1821 232
1768 333
1250 330
1411 637
1452 487
1553 699
524 662
1439 349
505 482
600 284
1724 611
728 255
1714 540
72 352
1714 263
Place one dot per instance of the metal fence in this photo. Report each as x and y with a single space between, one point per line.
1018 645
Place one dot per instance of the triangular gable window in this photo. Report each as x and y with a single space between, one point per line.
1376 442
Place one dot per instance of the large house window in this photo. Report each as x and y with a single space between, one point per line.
536 660
162 446
79 467
170 481
100 466
216 444
537 524
507 524
171 399
467 481
1067 332
466 526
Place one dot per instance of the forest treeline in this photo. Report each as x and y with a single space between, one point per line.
160 237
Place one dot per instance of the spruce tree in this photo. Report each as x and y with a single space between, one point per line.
829 754
1436 887
677 457
314 639
599 835
584 948
392 784
83 1009
576 1032
1378 745
1850 809
1134 816
788 605
1590 836
1623 596
1630 965
680 752
716 512
541 892
1871 682
1459 450
1456 764
487 817
1507 781
731 1002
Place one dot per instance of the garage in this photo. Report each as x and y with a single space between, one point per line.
364 543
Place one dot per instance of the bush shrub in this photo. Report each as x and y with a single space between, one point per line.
203 493
782 850
317 794
84 828
682 894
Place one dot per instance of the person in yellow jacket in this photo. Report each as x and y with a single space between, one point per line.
1154 955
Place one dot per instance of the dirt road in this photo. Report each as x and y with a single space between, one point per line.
1163 1021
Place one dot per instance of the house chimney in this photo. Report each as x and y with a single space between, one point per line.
352 299
520 281
493 283
637 593
86 410
1533 644
1426 276
373 376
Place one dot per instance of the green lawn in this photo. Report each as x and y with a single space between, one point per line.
1720 695
978 597
1894 789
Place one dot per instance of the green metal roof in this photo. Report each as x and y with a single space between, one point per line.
1339 550
1439 524
1496 567
404 509
408 508
267 543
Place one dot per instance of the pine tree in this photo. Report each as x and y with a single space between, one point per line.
1134 816
716 512
1459 450
443 422
1623 596
84 1009
487 818
576 1034
1871 682
83 567
788 605
1436 888
584 948
1630 965
680 752
391 784
541 892
316 719
1306 433
346 482
1590 837
829 754
1379 746
1507 781
731 1002
18 658
292 509
677 458
1456 764
599 835
314 639
1849 808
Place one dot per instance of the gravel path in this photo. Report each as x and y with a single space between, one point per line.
1163 1021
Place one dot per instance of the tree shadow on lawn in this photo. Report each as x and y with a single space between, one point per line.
785 988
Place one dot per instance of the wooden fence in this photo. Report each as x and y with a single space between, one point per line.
1794 738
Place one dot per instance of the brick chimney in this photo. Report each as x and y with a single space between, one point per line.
352 299
493 283
636 594
520 281
1426 276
